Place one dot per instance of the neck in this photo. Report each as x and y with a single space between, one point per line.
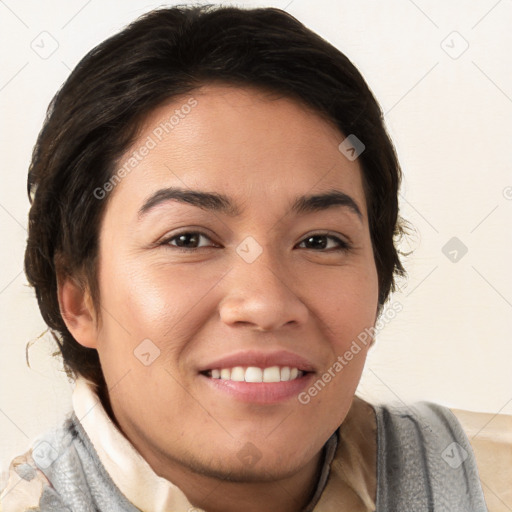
287 494
290 493
354 480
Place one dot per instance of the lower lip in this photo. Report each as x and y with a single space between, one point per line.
261 392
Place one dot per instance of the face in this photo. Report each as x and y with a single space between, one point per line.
257 283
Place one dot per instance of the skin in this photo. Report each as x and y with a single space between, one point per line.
197 306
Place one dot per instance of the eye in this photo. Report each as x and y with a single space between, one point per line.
188 240
191 240
324 242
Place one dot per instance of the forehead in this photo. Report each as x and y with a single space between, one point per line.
244 142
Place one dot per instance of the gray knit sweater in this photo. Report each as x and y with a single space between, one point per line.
424 463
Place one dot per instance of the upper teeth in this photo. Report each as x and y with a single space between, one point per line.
255 374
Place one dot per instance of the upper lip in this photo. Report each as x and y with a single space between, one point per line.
260 359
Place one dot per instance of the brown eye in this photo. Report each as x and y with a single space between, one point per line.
320 242
187 240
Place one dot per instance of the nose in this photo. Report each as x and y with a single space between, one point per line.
260 294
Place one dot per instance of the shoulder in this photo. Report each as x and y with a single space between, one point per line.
490 436
29 485
425 458
25 485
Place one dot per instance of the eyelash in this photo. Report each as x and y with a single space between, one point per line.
343 245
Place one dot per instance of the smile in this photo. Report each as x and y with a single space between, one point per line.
256 374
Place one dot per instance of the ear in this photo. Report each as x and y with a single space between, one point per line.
77 311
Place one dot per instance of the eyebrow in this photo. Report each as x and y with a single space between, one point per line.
221 203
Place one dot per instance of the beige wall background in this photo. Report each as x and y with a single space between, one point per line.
442 74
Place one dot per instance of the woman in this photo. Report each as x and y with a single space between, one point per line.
217 337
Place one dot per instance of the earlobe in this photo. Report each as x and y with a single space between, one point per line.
77 311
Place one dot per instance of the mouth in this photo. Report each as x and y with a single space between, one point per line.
261 378
256 374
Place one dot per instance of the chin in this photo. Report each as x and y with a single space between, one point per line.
255 470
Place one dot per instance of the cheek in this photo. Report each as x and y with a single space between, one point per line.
135 307
148 296
348 304
154 301
348 309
